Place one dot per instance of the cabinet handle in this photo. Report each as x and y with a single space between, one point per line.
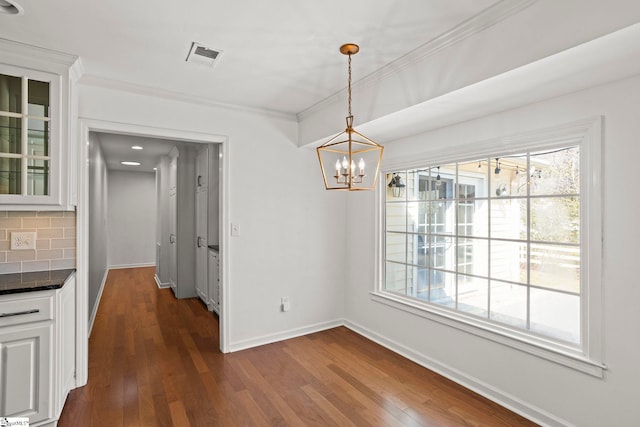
199 180
20 313
199 242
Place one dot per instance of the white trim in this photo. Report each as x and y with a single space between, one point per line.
124 266
495 333
37 57
588 134
224 231
92 80
98 298
502 398
284 335
486 18
159 283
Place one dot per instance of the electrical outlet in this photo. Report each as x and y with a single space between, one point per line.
22 240
285 304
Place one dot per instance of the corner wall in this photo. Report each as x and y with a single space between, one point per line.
98 239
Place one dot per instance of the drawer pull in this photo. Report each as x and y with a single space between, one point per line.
20 313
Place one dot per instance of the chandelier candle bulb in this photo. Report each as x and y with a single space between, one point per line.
361 166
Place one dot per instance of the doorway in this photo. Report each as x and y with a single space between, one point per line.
88 126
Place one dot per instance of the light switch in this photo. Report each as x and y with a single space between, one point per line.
21 240
235 230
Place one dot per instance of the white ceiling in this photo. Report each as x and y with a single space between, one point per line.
117 148
280 56
277 55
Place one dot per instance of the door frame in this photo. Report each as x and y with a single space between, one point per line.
87 125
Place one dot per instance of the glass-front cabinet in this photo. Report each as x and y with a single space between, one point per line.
25 136
35 146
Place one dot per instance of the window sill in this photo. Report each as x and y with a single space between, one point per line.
565 356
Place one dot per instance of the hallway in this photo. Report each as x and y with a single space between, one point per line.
154 361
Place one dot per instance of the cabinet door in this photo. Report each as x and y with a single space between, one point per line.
25 371
201 245
31 138
202 169
173 236
66 342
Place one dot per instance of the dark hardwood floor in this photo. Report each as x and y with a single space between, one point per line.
154 361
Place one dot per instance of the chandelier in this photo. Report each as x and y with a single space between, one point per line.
350 161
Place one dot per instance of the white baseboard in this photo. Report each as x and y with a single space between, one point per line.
92 317
514 404
285 335
160 284
121 266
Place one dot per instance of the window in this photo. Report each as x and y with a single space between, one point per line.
24 136
503 242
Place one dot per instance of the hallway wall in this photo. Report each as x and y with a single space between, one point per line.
131 218
98 239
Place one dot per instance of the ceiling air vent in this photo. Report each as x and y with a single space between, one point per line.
200 54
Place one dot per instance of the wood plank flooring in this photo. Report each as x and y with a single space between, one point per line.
154 361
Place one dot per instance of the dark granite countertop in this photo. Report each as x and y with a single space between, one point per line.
31 282
215 248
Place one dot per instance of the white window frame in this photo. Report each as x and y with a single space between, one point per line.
587 134
54 157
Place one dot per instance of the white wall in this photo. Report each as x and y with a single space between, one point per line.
98 239
131 218
542 387
292 230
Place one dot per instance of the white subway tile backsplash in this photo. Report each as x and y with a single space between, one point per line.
63 222
29 266
62 264
43 244
10 267
50 254
22 214
50 233
63 243
10 223
28 255
55 241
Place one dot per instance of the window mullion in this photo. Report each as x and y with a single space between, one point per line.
528 243
489 239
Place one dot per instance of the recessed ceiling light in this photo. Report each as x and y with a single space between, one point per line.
135 147
10 7
131 163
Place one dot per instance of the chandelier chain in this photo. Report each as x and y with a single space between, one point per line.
349 85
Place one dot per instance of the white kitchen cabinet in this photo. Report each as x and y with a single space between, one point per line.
26 363
37 130
182 239
25 373
214 281
65 326
37 353
202 205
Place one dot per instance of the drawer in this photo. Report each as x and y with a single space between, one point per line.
16 310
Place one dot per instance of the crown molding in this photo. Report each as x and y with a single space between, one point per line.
474 25
76 71
27 53
97 81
